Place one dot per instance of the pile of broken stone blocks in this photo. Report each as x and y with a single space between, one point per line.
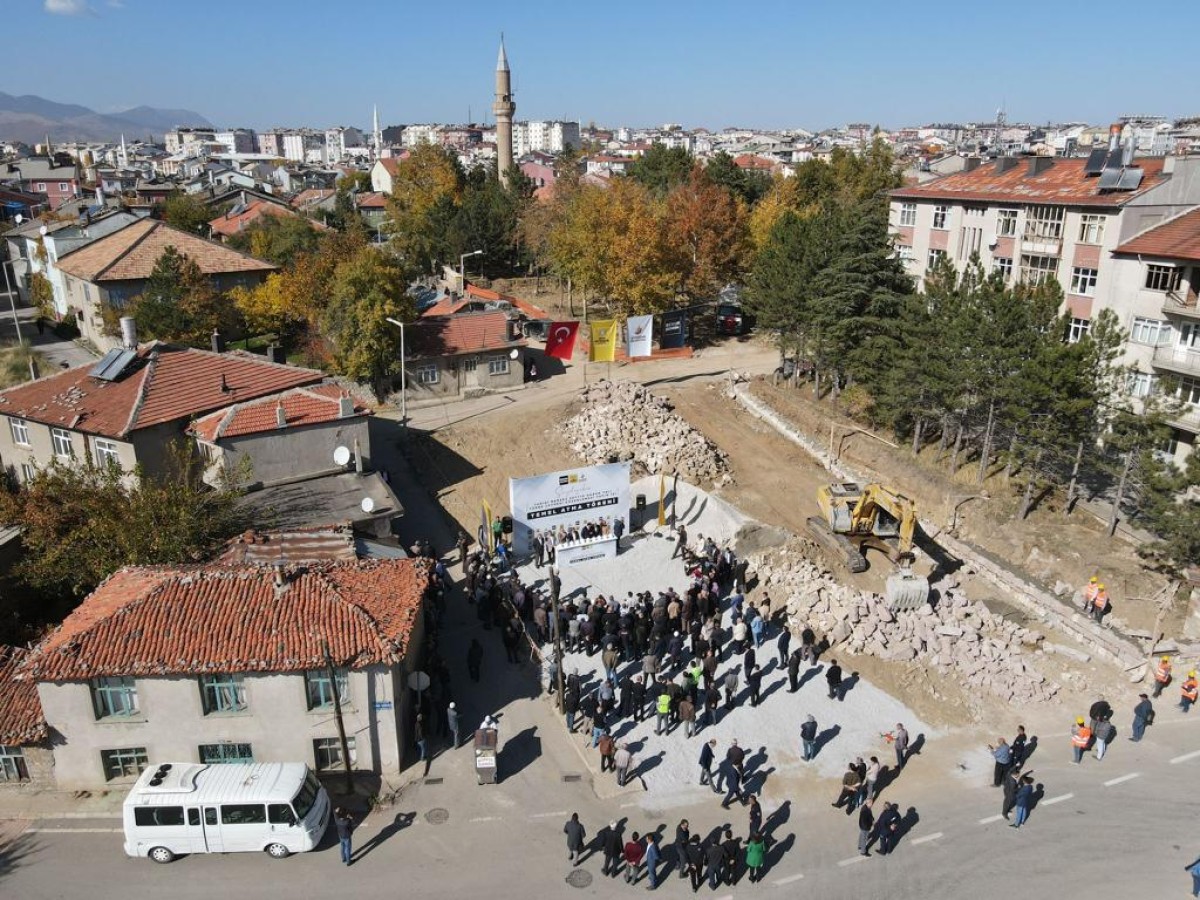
981 650
622 421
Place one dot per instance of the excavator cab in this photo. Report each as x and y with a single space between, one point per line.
854 517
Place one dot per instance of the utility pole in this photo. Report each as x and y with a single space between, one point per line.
337 714
558 651
1115 514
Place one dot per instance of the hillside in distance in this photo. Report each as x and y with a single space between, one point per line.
30 119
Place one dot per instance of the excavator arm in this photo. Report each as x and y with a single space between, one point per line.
876 497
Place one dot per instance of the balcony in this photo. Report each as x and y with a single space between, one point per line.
1176 303
1177 359
1188 419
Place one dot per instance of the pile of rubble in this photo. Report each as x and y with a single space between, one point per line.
982 651
622 421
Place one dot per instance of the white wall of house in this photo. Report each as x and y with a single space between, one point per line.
40 449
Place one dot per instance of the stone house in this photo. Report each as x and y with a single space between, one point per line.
25 754
464 354
230 663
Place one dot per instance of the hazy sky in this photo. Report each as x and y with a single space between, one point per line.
766 63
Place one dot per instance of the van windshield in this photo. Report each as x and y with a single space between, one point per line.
306 796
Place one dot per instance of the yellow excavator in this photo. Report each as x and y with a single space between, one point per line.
854 517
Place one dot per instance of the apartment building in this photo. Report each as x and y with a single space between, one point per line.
544 137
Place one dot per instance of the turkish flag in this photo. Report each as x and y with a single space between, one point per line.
560 339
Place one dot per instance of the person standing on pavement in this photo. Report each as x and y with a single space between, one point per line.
452 722
1188 692
1143 715
623 760
662 709
1162 675
687 715
1002 754
754 680
866 822
756 855
714 856
1012 781
420 737
808 739
1024 801
682 836
694 852
1018 747
576 835
634 851
849 790
1081 736
860 769
608 752
652 857
680 543
1104 734
733 852
345 828
900 743
613 851
833 678
782 645
889 820
873 770
793 670
756 816
706 760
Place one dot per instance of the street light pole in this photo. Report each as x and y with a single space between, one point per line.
403 375
462 265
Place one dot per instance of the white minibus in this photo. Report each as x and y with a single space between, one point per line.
178 808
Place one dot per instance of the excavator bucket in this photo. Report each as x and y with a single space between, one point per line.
906 590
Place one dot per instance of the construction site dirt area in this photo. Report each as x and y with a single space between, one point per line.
767 478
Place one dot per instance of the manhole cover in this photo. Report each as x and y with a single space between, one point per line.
579 878
572 778
434 780
437 816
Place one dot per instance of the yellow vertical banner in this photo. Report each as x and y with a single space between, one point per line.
662 498
603 340
487 538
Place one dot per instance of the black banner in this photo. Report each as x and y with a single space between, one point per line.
674 330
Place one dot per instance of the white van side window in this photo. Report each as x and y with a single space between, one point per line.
158 815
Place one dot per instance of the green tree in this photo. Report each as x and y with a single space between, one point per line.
430 177
660 169
83 522
277 239
187 213
179 303
750 187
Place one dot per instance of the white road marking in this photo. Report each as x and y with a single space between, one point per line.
782 881
990 819
1129 777
486 819
852 860
630 805
549 815
1185 757
1054 800
928 837
74 830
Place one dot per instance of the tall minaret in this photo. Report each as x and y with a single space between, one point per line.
503 109
376 134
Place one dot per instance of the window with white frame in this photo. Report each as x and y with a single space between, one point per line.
974 210
1091 228
41 187
908 214
427 374
1044 222
904 253
63 186
1003 265
1079 327
28 472
1006 223
471 363
940 216
935 257
223 694
498 365
107 453
12 764
20 431
970 240
1188 390
327 753
319 689
1162 278
1140 384
1154 332
61 439
1083 281
1036 269
115 697
128 762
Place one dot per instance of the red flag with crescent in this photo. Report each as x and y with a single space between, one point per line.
560 339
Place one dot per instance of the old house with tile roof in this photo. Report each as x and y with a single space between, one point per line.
115 268
227 662
126 412
25 753
464 354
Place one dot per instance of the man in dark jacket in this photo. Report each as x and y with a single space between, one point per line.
1099 712
682 836
782 645
754 680
1011 779
793 670
733 853
706 761
695 862
614 849
715 856
808 739
345 827
889 821
833 677
1143 715
866 821
576 835
638 698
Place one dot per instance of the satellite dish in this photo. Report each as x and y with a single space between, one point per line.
368 505
341 455
514 353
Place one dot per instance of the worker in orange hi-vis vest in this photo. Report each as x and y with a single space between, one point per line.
1162 675
1081 736
1099 602
1187 692
1089 594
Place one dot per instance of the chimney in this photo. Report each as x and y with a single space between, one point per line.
225 388
972 163
1127 152
275 354
129 338
218 342
358 460
1114 135
345 406
1168 165
1040 164
280 579
280 415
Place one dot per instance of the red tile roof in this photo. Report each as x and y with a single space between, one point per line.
391 162
530 309
309 196
228 225
463 333
1177 238
1063 183
301 406
446 306
163 384
750 161
130 254
21 718
325 543
372 200
160 620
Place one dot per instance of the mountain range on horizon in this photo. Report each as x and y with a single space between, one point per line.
30 119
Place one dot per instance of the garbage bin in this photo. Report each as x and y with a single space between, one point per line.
485 755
